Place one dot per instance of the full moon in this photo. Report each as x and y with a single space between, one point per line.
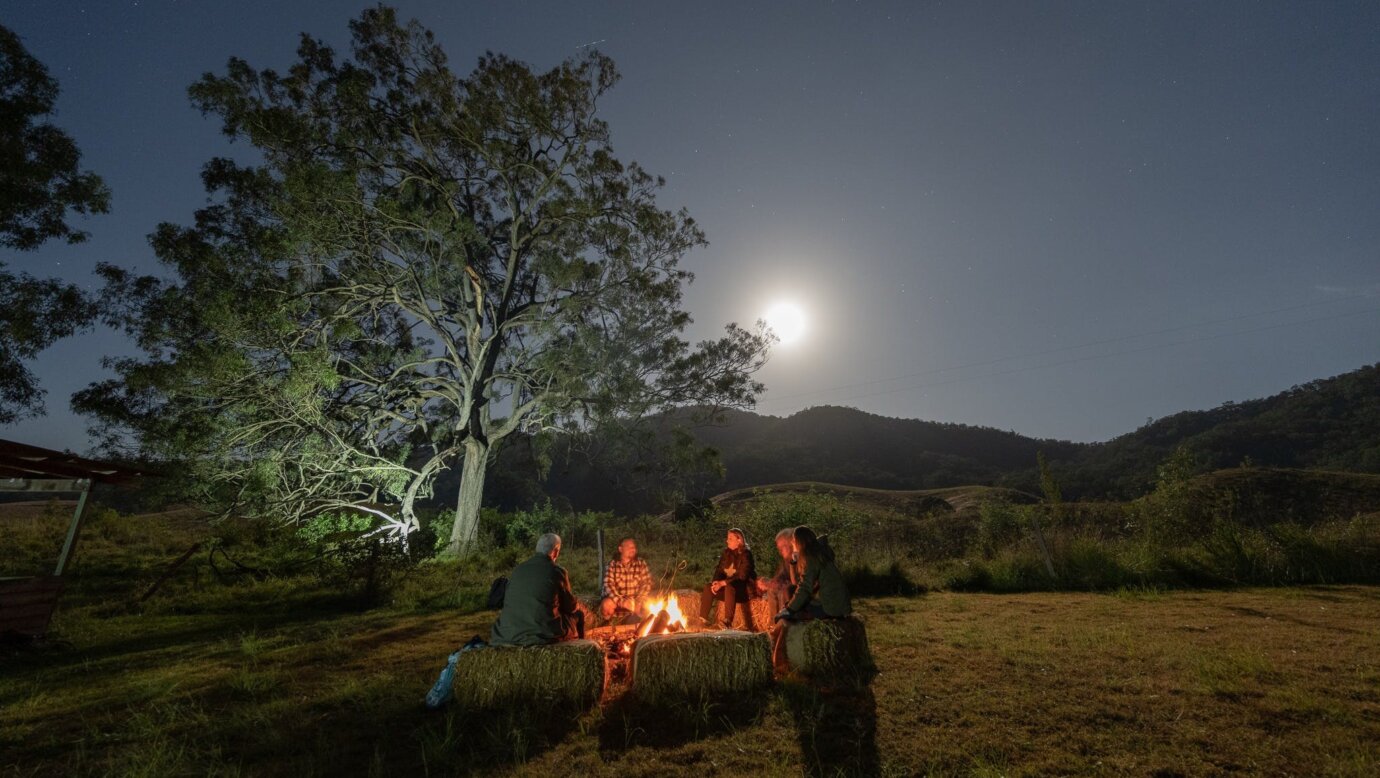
787 321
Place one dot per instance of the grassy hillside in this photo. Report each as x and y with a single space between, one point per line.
906 502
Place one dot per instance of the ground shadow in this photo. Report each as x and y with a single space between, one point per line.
400 737
1241 610
835 726
628 722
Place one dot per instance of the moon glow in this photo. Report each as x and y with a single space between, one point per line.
787 321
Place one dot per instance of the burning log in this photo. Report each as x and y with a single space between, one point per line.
699 665
568 675
660 623
829 648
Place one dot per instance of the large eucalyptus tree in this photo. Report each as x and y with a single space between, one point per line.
420 265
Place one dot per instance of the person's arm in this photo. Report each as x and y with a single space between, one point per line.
751 567
644 581
806 588
608 581
719 573
565 599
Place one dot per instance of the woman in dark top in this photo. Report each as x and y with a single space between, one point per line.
821 593
733 578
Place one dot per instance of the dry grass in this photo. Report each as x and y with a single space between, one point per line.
1280 681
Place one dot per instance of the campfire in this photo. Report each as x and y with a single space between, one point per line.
664 617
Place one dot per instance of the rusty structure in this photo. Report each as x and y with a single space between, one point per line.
27 603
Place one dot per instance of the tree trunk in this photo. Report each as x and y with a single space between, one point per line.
466 527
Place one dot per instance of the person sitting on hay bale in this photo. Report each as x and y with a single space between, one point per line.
627 582
735 578
539 607
821 593
781 587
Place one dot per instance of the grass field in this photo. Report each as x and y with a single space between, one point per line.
280 667
1278 681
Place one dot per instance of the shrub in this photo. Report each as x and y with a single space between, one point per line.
1000 524
1089 564
864 581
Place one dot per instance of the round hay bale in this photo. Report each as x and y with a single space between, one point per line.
699 665
568 675
829 648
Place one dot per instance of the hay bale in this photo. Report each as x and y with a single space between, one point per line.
762 615
700 665
829 648
568 674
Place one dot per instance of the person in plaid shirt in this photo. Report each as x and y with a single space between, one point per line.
627 581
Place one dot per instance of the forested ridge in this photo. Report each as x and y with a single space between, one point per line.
1331 423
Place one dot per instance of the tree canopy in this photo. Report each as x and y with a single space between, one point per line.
420 266
41 185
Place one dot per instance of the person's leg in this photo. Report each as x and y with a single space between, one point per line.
749 619
778 647
706 602
730 594
572 626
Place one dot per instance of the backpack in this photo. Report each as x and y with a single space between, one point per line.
497 591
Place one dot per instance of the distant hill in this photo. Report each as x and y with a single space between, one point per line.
1331 424
903 502
849 446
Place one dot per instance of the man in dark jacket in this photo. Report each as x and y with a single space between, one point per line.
538 607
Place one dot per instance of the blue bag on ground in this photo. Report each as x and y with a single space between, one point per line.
441 693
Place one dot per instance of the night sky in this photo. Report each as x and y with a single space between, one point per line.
1056 218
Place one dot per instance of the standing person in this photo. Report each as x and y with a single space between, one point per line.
627 582
734 579
781 587
539 607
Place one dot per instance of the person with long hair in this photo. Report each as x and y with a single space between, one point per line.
781 587
821 593
734 579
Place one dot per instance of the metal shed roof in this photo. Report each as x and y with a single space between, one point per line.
26 468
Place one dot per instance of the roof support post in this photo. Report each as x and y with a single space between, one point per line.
73 530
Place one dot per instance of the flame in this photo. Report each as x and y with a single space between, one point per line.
671 605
